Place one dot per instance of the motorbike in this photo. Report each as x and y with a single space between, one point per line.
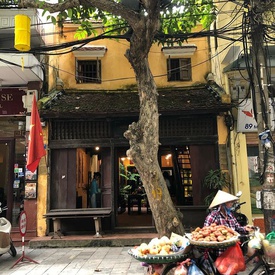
6 244
243 221
241 218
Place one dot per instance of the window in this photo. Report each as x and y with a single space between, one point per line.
179 69
88 71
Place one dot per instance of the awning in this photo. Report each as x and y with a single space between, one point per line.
89 51
184 50
82 104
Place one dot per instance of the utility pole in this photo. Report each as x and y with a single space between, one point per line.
262 114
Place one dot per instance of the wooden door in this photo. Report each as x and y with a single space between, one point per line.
63 179
7 149
203 159
106 177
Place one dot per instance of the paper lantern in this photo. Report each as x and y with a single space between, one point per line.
22 39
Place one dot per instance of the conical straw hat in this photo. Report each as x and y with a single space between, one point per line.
222 197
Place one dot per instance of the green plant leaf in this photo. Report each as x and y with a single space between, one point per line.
215 180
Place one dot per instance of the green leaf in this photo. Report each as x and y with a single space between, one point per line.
80 34
41 4
70 13
53 20
44 12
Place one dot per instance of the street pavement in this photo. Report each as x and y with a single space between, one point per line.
78 260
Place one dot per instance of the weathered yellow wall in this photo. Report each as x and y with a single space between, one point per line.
222 130
242 177
224 18
42 190
116 70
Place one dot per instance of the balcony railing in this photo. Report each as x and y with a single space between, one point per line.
8 4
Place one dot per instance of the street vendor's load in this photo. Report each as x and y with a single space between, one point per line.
269 245
213 233
162 246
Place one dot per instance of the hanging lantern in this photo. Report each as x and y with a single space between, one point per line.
22 39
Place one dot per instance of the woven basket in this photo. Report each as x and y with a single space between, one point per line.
215 245
159 259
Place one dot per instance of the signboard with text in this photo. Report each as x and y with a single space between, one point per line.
246 118
11 102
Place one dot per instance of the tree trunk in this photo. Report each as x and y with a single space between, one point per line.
143 137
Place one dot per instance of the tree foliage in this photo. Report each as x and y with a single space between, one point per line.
179 17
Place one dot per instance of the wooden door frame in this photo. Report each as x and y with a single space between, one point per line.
9 183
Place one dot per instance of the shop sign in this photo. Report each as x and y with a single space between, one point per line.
11 102
246 117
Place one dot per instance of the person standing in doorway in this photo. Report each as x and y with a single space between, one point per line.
166 176
94 189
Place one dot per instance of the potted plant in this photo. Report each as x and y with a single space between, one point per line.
215 180
126 187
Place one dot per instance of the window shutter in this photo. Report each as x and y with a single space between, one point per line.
76 70
185 69
98 70
169 68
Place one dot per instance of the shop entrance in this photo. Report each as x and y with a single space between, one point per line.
12 177
133 208
184 168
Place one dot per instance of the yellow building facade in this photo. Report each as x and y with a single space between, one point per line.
112 76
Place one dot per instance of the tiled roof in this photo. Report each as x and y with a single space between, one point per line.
81 104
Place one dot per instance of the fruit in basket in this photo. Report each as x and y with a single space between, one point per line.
164 240
143 249
154 250
213 233
269 248
162 246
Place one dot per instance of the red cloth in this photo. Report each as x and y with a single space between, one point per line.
36 146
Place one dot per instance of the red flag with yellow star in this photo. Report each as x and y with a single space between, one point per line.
36 148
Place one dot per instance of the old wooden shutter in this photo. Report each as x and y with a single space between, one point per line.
63 179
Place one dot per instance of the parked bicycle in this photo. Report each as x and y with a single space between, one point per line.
201 257
258 261
261 264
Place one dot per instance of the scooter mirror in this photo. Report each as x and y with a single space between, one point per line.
239 194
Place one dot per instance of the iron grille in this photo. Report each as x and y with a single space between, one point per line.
169 127
62 130
188 127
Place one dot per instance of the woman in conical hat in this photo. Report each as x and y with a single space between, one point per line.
222 197
222 215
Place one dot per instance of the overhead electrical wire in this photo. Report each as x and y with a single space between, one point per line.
253 26
81 43
177 37
160 36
